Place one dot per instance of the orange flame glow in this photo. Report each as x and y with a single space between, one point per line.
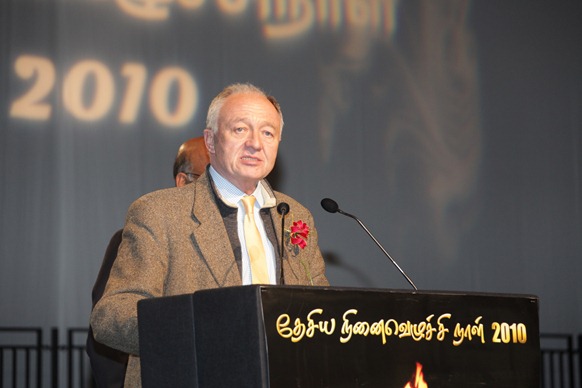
417 380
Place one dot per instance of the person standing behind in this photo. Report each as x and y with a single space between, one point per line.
191 161
181 240
108 364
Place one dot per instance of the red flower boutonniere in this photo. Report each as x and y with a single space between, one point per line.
296 238
298 234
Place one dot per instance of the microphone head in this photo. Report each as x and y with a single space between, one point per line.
283 208
329 205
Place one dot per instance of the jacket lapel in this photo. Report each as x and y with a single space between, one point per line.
210 237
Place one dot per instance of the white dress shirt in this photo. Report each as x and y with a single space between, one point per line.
232 196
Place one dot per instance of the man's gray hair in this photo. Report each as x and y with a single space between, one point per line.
238 88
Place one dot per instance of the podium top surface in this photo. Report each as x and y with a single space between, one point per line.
356 290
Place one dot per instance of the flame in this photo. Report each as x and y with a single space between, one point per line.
417 380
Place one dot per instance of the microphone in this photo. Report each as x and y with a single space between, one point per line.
282 209
331 206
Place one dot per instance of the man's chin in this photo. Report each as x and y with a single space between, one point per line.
253 173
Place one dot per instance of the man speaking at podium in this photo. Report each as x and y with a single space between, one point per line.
223 230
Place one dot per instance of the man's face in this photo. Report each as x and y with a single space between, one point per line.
245 147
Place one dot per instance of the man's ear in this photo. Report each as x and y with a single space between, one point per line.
181 179
209 140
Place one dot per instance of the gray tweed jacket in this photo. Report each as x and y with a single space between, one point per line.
175 242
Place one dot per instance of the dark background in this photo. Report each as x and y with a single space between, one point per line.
451 128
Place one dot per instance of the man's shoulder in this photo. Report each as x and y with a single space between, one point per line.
167 194
172 197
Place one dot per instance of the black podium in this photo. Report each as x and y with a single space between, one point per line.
271 336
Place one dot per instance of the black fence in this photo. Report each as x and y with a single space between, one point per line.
561 361
29 358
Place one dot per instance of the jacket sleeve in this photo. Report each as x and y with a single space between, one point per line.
137 273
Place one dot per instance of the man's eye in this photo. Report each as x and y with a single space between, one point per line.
270 134
239 130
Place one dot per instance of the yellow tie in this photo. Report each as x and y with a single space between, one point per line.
254 243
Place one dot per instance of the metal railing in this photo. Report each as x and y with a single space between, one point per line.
561 361
26 361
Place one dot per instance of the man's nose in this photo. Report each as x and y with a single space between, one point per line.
254 139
